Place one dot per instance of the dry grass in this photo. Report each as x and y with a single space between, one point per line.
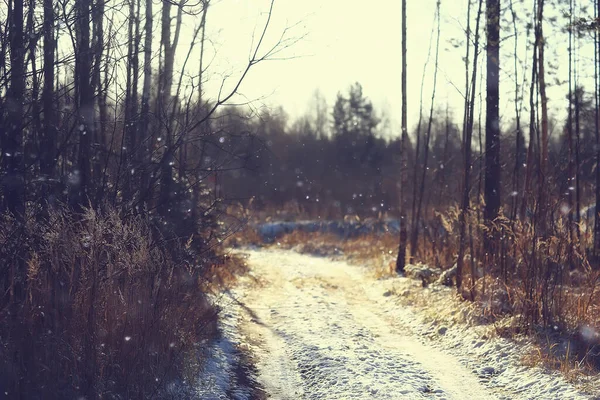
247 236
541 285
551 354
224 272
98 307
509 302
531 282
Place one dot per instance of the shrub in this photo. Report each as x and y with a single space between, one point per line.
96 306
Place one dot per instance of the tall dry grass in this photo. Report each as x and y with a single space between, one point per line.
548 276
545 277
93 306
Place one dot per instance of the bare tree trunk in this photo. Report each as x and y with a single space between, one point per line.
543 193
577 99
445 156
13 182
48 140
596 251
135 139
467 66
100 95
12 138
129 150
85 103
468 134
205 4
401 259
165 98
427 137
519 142
197 187
144 121
577 161
492 120
179 109
102 92
415 185
544 126
31 142
571 166
532 136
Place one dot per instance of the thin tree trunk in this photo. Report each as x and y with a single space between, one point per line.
134 142
467 66
144 121
468 133
196 189
48 141
444 179
532 135
129 131
415 186
401 259
97 87
102 136
165 98
577 162
428 136
544 126
12 138
518 134
577 99
31 144
178 107
596 251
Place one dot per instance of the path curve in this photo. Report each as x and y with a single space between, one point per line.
318 331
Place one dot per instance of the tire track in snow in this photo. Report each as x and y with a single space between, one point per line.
317 334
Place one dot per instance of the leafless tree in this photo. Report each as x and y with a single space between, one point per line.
401 259
492 191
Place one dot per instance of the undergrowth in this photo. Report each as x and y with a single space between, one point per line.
95 306
540 285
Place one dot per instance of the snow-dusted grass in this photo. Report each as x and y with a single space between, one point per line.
324 329
458 327
226 374
573 352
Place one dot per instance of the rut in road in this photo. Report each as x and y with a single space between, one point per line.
319 330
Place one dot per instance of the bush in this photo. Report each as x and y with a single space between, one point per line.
95 306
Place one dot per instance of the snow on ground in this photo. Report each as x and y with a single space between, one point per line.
269 231
225 372
496 361
323 329
219 379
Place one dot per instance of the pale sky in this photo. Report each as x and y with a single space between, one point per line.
345 41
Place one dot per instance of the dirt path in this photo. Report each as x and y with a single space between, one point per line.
319 329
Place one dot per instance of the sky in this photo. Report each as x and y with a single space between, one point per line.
342 42
345 41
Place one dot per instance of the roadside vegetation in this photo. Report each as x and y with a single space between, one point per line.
571 346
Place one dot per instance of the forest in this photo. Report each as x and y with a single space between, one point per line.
124 169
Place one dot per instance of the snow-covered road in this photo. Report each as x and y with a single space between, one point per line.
323 329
